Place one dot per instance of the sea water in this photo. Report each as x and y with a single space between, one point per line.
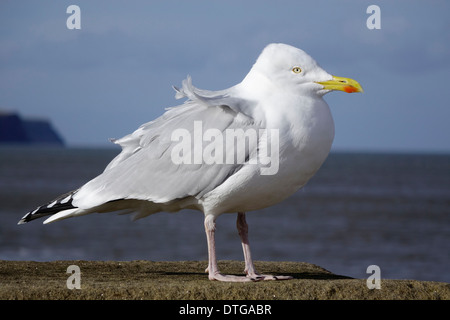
361 209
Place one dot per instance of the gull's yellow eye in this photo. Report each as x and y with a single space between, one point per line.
296 69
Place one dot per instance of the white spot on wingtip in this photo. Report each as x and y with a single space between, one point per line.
51 204
66 199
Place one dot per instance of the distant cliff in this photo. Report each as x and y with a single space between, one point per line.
16 130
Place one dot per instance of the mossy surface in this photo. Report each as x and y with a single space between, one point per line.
180 280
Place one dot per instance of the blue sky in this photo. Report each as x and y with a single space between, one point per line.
116 72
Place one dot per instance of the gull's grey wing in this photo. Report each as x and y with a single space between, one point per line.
145 169
198 100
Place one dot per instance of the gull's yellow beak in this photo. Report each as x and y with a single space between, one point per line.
342 84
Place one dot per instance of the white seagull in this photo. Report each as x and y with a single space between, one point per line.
182 160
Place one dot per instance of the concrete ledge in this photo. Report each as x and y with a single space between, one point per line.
180 280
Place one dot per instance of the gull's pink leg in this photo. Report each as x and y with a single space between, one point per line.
242 227
213 269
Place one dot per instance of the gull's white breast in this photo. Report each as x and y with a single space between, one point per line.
306 132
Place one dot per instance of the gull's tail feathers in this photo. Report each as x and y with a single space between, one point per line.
62 208
59 208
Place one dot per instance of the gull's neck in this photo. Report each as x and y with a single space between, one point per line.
255 86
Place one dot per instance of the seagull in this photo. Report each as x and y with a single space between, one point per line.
183 159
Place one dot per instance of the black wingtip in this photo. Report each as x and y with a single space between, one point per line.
61 203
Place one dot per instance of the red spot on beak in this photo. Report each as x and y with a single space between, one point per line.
350 89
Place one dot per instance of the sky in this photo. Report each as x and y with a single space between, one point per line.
115 73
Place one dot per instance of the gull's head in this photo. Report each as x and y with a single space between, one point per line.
293 69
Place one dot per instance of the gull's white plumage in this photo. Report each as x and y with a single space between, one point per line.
142 178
